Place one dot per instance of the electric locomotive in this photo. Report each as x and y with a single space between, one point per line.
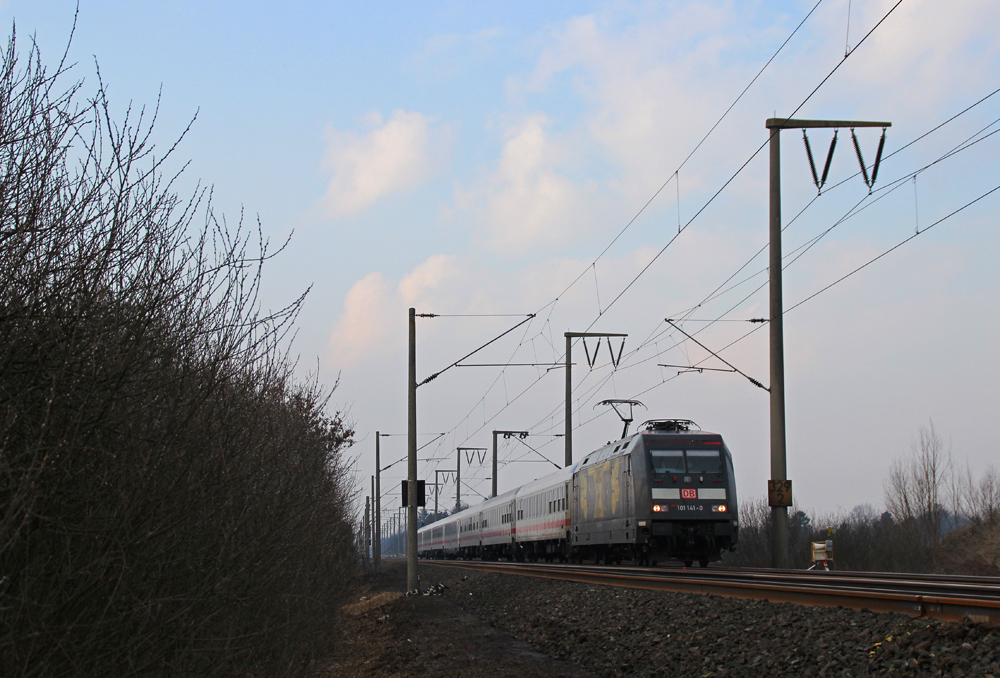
666 492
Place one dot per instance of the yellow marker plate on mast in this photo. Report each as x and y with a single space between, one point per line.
779 492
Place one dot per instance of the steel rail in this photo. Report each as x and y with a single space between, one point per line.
915 597
985 589
936 578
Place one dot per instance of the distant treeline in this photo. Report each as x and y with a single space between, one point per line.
937 518
172 500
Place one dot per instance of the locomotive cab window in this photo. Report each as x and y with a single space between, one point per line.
704 461
667 461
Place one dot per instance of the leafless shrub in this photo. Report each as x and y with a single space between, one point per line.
981 499
172 502
754 544
865 540
754 547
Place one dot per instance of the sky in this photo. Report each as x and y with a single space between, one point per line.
603 166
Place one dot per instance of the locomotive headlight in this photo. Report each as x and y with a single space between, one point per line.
657 508
721 508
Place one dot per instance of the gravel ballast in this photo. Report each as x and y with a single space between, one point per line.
626 632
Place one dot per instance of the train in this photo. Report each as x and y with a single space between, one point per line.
666 492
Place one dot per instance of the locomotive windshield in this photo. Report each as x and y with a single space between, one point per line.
686 461
668 461
704 461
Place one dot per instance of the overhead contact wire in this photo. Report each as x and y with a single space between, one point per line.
714 196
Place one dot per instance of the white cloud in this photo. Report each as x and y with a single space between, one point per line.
646 88
655 81
434 274
446 55
370 324
939 48
393 156
363 323
645 105
529 201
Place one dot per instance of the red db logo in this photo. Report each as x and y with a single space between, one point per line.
689 494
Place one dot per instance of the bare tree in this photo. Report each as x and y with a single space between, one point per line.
916 487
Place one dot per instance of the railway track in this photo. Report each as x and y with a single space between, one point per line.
949 598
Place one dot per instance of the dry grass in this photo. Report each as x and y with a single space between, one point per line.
367 605
973 550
